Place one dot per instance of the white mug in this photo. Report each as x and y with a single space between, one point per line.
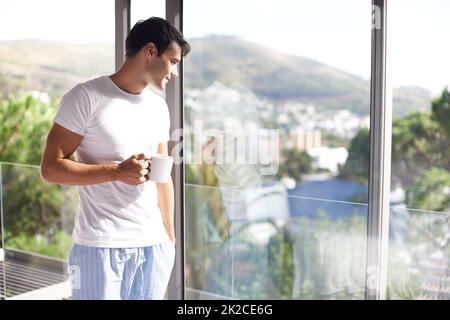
161 167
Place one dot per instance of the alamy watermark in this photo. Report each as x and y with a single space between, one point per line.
376 17
75 276
258 147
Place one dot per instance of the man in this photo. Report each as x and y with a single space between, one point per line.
124 239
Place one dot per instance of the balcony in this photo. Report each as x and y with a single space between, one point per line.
27 276
309 233
261 243
32 260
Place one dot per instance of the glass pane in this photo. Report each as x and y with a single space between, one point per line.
419 250
208 253
277 125
42 58
144 9
38 221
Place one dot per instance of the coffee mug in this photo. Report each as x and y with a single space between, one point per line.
161 167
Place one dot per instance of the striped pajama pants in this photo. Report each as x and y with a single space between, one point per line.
120 273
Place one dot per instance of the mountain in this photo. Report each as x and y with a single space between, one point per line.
51 66
274 75
55 67
280 77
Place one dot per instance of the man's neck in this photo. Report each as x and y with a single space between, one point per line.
129 79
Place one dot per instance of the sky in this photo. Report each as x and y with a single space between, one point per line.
323 30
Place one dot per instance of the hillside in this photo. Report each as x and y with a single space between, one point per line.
55 67
49 66
280 77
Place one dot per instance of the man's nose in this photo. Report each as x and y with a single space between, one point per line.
174 72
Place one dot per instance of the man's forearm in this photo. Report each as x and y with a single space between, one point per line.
69 172
166 205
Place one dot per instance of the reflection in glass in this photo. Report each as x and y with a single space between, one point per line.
271 255
37 227
143 9
37 66
419 250
276 155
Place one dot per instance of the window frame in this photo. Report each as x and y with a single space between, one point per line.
379 159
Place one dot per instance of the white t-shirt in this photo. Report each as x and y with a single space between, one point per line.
115 125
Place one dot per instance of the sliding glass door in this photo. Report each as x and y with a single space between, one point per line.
276 149
419 248
44 52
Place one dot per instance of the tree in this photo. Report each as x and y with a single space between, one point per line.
32 209
25 124
420 140
418 143
441 110
357 165
297 163
431 191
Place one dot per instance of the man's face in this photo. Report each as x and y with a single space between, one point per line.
164 67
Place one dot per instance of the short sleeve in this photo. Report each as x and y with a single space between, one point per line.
164 135
74 111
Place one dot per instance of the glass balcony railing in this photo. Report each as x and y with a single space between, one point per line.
419 254
265 244
37 220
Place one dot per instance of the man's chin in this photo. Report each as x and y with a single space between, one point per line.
159 87
162 85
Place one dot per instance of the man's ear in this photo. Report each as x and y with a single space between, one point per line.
150 50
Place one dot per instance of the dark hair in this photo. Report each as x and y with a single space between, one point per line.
156 30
